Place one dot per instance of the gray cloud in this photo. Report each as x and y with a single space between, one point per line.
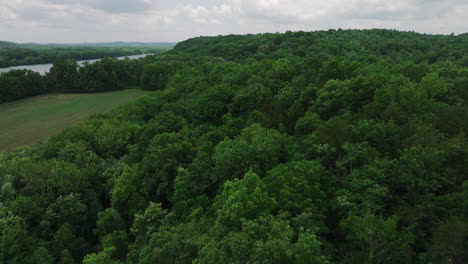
122 6
111 6
169 20
32 13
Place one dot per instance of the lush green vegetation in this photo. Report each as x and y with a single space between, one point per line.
66 76
12 54
322 147
33 119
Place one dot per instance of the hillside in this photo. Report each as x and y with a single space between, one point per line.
127 44
7 44
390 45
340 146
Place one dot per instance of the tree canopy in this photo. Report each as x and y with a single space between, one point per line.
340 146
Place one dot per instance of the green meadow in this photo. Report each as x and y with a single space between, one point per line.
31 120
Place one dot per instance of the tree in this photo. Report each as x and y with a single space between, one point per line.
145 225
150 221
263 240
65 240
42 256
66 209
172 244
303 147
64 76
108 221
332 98
335 132
47 180
102 257
15 242
449 241
256 148
297 186
373 239
126 195
117 240
111 137
167 152
308 123
156 76
433 85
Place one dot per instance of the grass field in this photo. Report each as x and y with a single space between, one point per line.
31 120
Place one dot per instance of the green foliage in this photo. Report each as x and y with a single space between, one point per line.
42 256
150 221
103 257
256 149
126 194
65 240
118 241
155 76
144 226
26 54
433 85
64 74
242 199
372 239
66 209
15 242
167 152
335 132
297 186
265 239
16 84
449 241
111 137
343 146
172 244
108 221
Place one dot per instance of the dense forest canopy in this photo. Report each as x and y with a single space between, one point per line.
340 146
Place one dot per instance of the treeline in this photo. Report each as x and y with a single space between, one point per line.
350 155
369 45
13 55
66 76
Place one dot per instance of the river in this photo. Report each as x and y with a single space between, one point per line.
43 68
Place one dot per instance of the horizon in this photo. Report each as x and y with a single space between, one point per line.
87 43
97 21
175 42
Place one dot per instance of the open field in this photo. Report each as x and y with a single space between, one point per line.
31 120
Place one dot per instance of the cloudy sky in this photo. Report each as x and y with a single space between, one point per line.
71 21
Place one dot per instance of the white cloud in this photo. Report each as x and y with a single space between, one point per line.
110 6
6 14
169 20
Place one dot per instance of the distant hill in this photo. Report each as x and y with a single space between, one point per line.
128 44
7 44
13 54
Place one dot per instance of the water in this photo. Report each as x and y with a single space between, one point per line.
43 68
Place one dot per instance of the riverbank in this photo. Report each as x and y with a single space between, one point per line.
44 68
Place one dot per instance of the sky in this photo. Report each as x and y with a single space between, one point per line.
74 21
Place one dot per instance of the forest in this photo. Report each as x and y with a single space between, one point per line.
339 146
12 54
66 76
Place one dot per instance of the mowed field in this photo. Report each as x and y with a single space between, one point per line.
31 120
